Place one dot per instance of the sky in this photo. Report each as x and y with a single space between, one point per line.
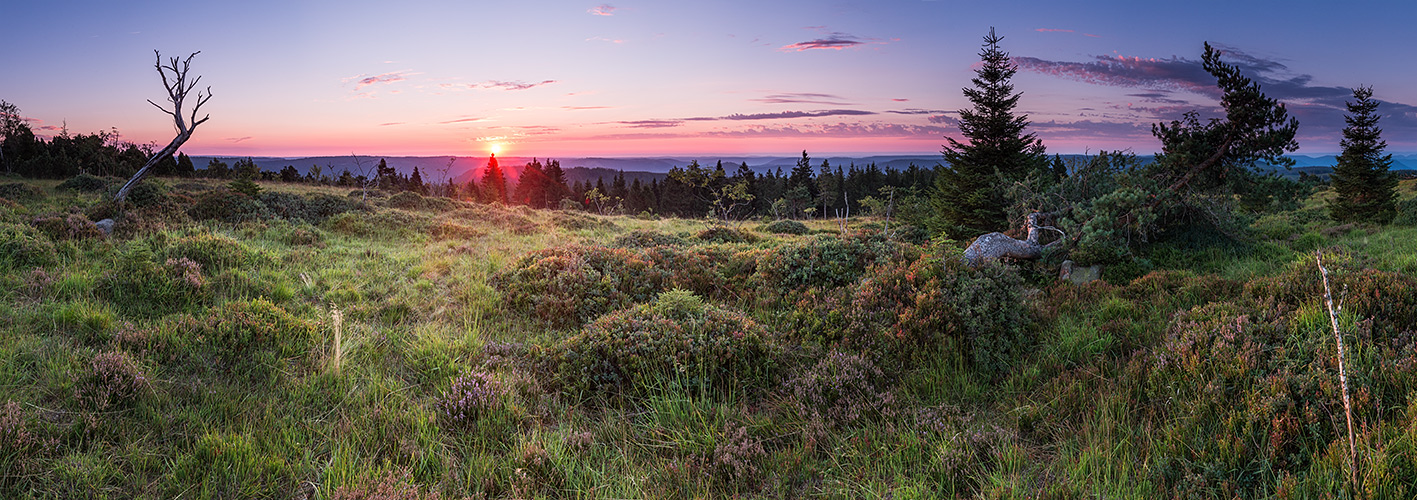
638 78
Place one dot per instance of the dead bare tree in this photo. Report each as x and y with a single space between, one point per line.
177 89
995 246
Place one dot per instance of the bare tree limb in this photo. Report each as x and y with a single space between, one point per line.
177 89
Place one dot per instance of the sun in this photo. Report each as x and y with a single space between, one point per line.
496 148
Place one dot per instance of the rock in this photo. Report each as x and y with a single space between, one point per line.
105 226
1079 274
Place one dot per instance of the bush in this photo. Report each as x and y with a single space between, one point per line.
825 262
71 227
566 286
148 193
1406 213
215 251
641 238
225 205
253 337
86 183
19 191
470 398
786 226
24 246
114 381
842 390
409 200
143 283
677 339
725 234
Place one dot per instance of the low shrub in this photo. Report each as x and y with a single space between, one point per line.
676 339
20 191
576 221
641 238
842 390
471 397
395 485
826 262
149 193
786 226
24 246
215 251
143 283
725 234
71 227
253 337
114 381
566 286
86 182
226 205
1406 212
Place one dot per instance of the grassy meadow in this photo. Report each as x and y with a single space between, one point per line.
310 344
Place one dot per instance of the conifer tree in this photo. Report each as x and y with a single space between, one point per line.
1367 192
494 184
415 183
968 199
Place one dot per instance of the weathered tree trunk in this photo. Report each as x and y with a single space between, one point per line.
995 246
177 89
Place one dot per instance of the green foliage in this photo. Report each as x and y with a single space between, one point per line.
71 227
214 251
143 283
246 186
843 390
252 338
641 238
231 465
1365 190
114 382
86 183
21 191
225 205
968 200
826 261
24 246
702 347
786 226
1406 213
314 208
725 234
566 286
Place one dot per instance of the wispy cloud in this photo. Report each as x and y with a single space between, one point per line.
390 124
900 100
851 130
1053 30
916 111
515 85
603 39
651 123
362 81
787 114
604 9
468 119
235 140
582 108
803 98
830 40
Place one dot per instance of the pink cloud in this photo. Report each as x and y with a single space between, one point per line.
365 81
604 9
517 85
1053 30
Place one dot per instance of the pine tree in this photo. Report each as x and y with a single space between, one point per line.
415 183
184 165
1367 192
494 184
967 198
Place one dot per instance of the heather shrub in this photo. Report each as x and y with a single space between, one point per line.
71 227
226 205
20 191
708 270
24 246
676 338
576 221
143 283
383 223
313 208
407 200
736 460
471 398
566 286
253 337
641 238
149 193
86 182
215 251
842 390
786 226
825 262
725 234
114 381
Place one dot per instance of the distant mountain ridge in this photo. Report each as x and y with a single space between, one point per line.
591 168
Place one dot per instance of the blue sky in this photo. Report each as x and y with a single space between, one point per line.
561 78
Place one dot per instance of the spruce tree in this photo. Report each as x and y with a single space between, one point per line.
968 199
1367 192
494 184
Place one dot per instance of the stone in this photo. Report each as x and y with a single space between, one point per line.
105 226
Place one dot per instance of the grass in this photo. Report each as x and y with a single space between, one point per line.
1205 378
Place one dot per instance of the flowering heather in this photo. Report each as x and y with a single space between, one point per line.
843 390
114 381
471 396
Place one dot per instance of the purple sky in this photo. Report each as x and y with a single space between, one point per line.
556 78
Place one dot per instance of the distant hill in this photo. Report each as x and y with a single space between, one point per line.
647 169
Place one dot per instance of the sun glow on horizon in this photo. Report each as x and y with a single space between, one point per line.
496 148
